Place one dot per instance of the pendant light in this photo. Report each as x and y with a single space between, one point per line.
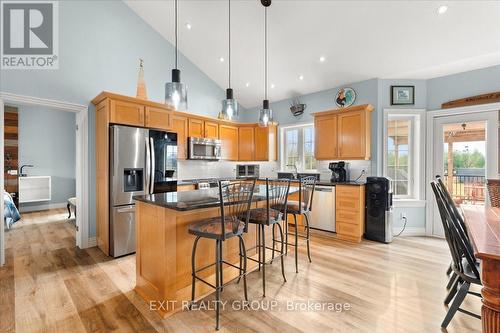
175 91
265 114
229 105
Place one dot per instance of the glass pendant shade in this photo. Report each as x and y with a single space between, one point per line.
265 114
229 106
176 92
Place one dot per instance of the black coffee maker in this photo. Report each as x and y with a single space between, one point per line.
339 173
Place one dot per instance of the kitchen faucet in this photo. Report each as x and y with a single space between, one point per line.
21 174
294 165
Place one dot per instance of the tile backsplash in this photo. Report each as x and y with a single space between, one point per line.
192 169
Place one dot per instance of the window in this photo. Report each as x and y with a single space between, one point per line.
298 148
398 158
402 152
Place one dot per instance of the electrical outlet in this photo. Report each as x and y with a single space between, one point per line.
402 215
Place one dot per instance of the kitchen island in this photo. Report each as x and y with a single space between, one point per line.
164 246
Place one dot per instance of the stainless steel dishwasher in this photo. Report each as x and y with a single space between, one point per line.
323 208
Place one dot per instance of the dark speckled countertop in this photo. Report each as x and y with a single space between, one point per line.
196 199
321 183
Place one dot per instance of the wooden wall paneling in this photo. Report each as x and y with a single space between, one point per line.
11 152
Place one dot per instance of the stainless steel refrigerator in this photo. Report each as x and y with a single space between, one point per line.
142 161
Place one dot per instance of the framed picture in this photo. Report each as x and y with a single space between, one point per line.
402 95
345 97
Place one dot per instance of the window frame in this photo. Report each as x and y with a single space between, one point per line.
416 147
300 145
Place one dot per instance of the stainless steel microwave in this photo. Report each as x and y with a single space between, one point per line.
204 149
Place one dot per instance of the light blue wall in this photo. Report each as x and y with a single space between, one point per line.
446 88
100 43
429 94
366 92
47 139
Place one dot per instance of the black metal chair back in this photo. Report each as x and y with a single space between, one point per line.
306 193
235 200
458 242
276 198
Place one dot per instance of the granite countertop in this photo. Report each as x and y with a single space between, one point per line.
196 199
321 182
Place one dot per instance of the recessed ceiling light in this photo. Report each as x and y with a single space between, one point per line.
301 77
442 9
272 86
322 59
188 26
247 84
221 59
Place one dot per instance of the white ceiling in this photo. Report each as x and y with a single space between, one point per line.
360 40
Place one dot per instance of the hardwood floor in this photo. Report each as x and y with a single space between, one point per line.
48 285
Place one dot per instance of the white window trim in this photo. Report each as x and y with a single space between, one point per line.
300 143
416 151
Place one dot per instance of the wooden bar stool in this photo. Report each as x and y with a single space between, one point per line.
235 200
301 207
271 215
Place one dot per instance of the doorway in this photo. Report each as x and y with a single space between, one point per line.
82 161
464 155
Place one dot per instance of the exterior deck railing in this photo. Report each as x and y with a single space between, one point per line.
467 189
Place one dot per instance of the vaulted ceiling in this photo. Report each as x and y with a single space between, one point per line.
358 39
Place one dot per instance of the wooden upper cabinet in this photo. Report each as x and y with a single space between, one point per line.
180 126
126 113
196 128
352 135
246 146
266 143
158 118
229 137
325 132
343 133
211 130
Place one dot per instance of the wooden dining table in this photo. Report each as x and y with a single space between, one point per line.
483 227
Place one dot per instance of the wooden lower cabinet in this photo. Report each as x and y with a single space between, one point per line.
188 187
350 212
163 254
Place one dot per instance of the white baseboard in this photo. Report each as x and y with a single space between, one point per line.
42 207
92 242
409 231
